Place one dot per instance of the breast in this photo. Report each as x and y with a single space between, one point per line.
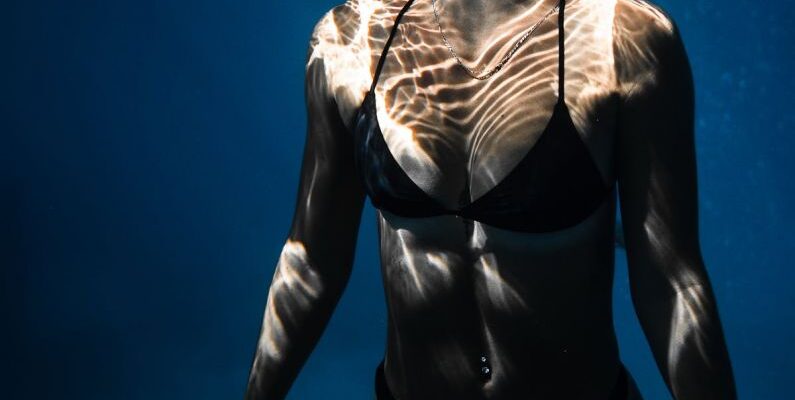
555 186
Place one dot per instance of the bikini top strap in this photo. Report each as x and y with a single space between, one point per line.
388 43
561 51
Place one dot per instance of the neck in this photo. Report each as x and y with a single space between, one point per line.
471 18
485 12
486 6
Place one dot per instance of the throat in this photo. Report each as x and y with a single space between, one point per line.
479 16
473 26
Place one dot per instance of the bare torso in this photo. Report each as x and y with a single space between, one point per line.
537 306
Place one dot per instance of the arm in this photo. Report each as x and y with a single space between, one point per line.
656 171
316 261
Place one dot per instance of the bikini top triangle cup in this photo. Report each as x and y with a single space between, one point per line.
556 185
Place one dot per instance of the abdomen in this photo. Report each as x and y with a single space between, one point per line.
537 306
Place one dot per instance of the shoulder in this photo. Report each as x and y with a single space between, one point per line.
332 29
646 41
343 45
347 29
641 16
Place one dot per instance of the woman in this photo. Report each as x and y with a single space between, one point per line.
494 138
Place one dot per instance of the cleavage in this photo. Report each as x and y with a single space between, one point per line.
456 151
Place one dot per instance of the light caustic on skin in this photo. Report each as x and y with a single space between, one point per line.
432 114
444 127
421 273
691 308
455 135
293 289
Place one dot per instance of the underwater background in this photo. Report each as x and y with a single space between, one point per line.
149 161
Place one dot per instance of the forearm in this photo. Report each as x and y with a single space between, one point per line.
687 341
300 302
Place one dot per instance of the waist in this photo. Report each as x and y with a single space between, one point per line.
620 388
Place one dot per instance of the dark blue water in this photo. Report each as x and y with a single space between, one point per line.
150 155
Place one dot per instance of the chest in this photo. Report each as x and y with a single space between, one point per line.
453 135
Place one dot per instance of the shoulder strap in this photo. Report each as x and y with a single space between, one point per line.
561 51
388 43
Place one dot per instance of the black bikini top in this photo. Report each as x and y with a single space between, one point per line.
555 186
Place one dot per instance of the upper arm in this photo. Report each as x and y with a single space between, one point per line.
655 156
330 197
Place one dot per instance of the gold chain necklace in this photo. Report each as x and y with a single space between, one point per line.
472 72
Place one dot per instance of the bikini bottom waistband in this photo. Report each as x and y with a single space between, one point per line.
620 389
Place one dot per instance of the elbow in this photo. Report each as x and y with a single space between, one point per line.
298 293
304 280
664 273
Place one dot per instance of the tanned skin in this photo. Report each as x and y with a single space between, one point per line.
538 306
